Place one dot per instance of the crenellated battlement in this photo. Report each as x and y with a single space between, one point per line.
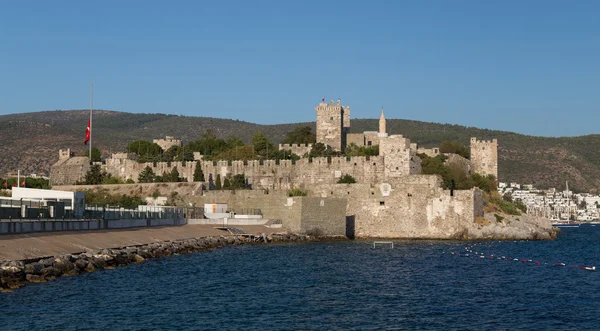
287 146
483 142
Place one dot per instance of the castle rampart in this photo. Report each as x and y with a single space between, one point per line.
298 149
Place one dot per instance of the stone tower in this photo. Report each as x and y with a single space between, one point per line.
333 123
382 125
484 157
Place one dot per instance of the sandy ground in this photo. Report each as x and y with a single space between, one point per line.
34 245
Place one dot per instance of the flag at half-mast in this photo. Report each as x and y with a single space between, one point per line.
87 134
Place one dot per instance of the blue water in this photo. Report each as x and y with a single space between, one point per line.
331 285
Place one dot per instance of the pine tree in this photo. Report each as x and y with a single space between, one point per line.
146 176
226 184
198 174
174 176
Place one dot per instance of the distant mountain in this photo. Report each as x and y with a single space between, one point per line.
31 141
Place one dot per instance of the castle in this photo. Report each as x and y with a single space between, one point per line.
390 199
397 158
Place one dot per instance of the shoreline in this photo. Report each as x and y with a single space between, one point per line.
18 273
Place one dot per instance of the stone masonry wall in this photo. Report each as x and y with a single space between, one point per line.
298 149
484 157
407 207
333 121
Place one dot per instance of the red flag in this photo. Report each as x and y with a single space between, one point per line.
14 185
87 134
4 184
23 183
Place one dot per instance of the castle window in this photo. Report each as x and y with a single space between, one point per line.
483 164
396 168
331 118
382 203
374 163
368 143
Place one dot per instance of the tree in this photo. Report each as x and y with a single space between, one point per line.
198 174
347 179
218 182
300 135
355 150
318 149
211 184
455 148
261 144
145 150
174 176
226 184
95 154
94 176
233 142
146 176
238 182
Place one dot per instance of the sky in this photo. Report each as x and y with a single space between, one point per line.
530 67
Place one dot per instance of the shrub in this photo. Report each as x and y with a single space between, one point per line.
296 192
347 179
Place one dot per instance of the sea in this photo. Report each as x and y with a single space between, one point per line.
338 285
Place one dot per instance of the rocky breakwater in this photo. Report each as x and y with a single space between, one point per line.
15 274
511 227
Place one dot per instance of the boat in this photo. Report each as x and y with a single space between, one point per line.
566 224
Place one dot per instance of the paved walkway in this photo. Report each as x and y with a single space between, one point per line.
33 245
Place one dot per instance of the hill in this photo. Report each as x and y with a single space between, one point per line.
30 142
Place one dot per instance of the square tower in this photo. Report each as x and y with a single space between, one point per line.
484 157
333 123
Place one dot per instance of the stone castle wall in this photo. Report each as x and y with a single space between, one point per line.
168 142
269 174
408 207
484 157
298 149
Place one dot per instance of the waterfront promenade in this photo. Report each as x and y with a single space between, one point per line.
36 245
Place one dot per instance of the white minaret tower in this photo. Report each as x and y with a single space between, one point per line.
382 125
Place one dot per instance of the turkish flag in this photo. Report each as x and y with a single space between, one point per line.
4 184
87 133
23 183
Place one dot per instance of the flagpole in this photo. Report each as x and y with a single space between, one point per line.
91 100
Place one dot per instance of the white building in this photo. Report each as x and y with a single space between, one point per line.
74 201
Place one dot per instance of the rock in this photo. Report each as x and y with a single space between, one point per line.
121 259
81 264
35 278
138 258
63 266
33 268
90 267
50 271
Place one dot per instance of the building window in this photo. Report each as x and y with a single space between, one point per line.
331 118
483 164
382 203
368 143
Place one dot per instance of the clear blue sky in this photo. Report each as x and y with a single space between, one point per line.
531 67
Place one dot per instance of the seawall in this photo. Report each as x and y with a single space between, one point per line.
39 258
